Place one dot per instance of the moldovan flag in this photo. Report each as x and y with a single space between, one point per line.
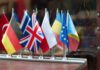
3 22
73 37
10 39
49 40
56 27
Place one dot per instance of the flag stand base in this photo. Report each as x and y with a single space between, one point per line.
64 58
52 58
42 59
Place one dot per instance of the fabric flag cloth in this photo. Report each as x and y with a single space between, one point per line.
64 33
49 40
73 37
56 27
26 20
20 6
3 22
11 37
35 34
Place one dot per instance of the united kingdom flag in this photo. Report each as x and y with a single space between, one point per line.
32 35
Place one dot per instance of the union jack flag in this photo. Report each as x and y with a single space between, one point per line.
32 36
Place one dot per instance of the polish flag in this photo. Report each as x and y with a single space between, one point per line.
49 40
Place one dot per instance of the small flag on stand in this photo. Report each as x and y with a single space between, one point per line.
11 37
63 33
73 37
3 21
38 36
26 20
34 35
56 27
49 40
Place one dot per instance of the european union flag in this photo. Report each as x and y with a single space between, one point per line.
63 33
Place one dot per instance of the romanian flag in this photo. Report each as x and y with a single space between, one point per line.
56 27
10 39
73 37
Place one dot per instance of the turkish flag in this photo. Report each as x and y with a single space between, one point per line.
3 22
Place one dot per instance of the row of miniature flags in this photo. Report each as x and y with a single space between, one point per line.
30 35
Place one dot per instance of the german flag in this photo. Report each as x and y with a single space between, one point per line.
11 37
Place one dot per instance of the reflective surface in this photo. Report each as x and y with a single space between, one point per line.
24 65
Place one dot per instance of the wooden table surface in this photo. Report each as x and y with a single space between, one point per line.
27 65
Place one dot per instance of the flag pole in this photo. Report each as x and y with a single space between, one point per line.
52 53
3 10
36 10
30 52
67 31
20 53
53 50
64 52
12 11
41 54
